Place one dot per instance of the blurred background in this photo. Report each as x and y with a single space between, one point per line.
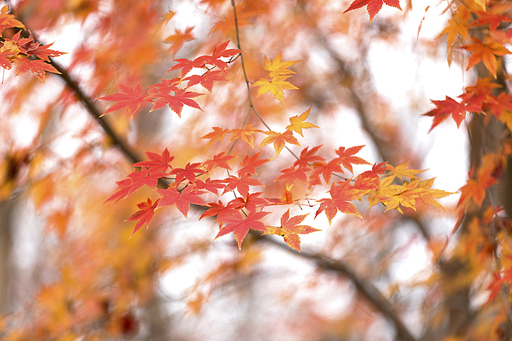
68 267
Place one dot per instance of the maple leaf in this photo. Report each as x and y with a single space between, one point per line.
347 158
189 195
494 288
8 20
292 175
278 68
341 195
402 171
217 134
249 164
127 98
297 123
207 79
189 172
326 170
250 202
494 19
43 52
6 58
246 133
486 53
241 183
275 85
37 67
290 229
133 182
218 209
145 214
307 156
219 160
240 226
453 30
157 163
210 185
279 140
221 51
178 39
446 108
498 105
176 102
373 6
227 23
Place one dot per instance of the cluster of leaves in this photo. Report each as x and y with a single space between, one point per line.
26 52
394 187
482 29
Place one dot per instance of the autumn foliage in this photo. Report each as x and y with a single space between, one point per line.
238 135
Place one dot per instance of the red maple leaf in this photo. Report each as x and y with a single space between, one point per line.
44 52
241 183
219 210
449 107
251 202
157 163
133 182
207 79
189 172
181 97
210 185
326 170
189 195
240 226
38 68
307 156
127 98
145 214
373 6
219 160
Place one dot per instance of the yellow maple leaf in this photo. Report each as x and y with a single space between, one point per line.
402 171
275 85
277 67
297 123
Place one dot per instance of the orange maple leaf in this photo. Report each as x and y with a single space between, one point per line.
217 134
292 175
347 158
290 229
8 20
279 139
178 39
341 195
486 53
373 6
246 133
